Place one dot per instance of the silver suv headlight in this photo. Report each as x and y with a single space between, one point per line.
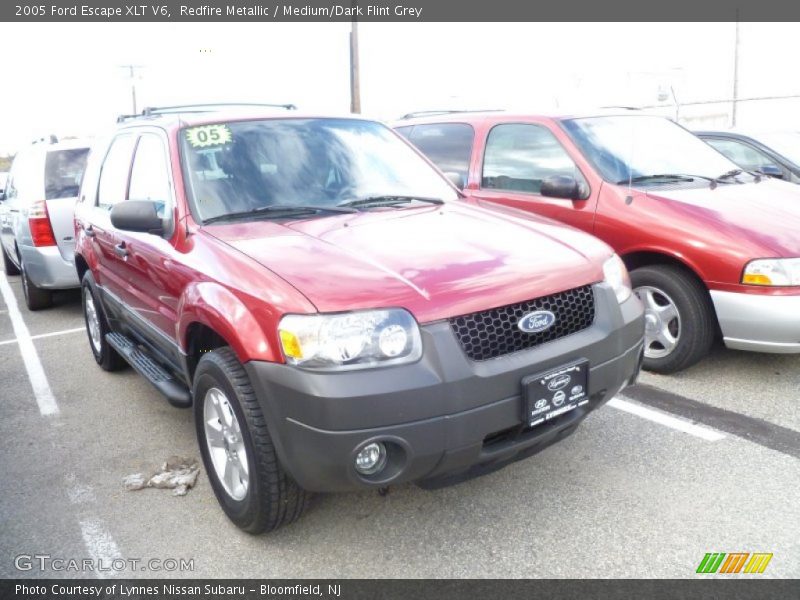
351 340
772 272
616 275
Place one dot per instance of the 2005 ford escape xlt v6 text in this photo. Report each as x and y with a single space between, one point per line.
338 318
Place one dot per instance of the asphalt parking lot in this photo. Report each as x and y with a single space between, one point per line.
704 461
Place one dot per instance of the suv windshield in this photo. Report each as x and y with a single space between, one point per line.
243 167
641 147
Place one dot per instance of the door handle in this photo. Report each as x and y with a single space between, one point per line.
89 231
121 250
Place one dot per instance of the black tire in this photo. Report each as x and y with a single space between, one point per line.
8 265
690 297
36 298
105 355
272 498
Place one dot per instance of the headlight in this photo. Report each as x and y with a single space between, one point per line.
616 275
772 271
353 340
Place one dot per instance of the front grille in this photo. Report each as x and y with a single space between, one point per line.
493 333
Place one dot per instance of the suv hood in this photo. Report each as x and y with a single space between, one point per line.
437 262
765 214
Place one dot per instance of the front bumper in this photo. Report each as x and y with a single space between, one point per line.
47 269
758 322
444 415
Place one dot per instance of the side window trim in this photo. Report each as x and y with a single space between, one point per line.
482 160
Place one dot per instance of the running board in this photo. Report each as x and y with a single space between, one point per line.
176 392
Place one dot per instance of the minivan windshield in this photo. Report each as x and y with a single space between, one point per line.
649 150
277 167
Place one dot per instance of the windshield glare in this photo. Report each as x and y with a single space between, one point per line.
244 166
626 147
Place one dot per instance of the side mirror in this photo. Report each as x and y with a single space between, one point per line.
2 195
455 178
771 171
138 215
562 186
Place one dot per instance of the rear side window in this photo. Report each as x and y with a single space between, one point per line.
519 157
63 171
114 174
447 145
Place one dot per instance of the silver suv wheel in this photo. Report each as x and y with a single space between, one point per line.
225 444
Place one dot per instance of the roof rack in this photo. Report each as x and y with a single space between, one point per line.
51 139
434 113
154 111
620 107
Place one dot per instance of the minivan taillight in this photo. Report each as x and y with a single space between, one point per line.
39 224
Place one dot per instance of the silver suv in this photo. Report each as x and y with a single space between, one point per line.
36 215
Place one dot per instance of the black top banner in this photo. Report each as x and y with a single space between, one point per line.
398 10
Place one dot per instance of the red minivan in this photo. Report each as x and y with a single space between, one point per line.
712 250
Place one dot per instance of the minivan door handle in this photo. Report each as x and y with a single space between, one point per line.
121 250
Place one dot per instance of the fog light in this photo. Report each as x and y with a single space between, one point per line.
371 458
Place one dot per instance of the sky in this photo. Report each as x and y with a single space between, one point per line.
68 79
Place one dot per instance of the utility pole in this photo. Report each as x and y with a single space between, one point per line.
132 76
355 78
735 73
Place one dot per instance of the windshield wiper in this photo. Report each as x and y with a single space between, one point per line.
277 211
387 200
728 175
667 176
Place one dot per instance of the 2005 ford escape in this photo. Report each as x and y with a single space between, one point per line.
336 316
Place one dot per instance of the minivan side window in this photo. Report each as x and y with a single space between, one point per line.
447 145
518 157
150 175
114 172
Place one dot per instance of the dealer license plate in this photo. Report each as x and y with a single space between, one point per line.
553 393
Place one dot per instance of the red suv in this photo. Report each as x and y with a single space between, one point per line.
336 316
710 248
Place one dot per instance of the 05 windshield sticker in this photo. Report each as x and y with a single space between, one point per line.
208 135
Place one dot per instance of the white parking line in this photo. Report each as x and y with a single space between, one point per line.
41 388
101 546
710 435
45 335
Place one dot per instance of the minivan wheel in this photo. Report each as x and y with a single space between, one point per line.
8 265
239 456
679 325
36 298
97 327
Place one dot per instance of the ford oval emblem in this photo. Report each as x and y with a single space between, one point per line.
536 321
559 383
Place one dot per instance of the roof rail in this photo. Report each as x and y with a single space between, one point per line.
154 111
434 113
620 107
51 139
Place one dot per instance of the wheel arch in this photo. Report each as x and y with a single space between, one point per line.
211 316
648 258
